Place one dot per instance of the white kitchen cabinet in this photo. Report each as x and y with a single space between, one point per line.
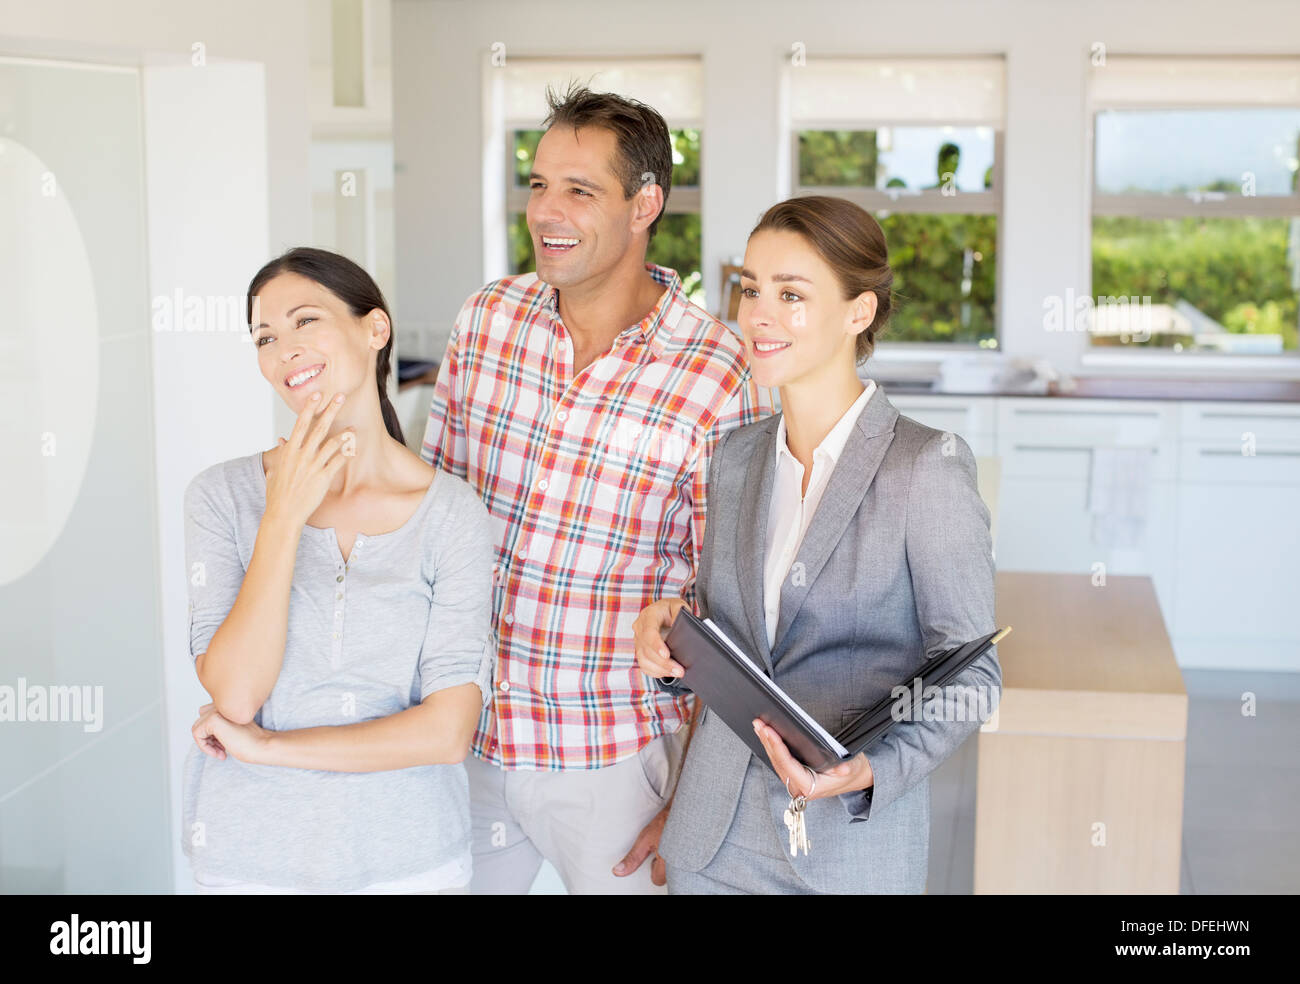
1055 437
1046 447
1268 422
972 418
1238 572
1221 539
1045 525
1238 536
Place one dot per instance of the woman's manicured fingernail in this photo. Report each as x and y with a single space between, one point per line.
315 397
339 398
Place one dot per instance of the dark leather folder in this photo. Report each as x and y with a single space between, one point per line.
736 689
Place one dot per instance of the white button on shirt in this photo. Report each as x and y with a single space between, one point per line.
791 510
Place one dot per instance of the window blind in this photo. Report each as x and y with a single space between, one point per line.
673 86
1158 81
862 93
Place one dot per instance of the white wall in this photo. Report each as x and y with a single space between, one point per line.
437 124
233 30
274 34
210 401
228 184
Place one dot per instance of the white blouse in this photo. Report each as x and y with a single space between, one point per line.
791 511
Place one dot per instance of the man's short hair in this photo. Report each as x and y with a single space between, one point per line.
645 148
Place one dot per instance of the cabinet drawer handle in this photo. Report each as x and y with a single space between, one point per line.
1236 453
1149 414
1084 448
1262 418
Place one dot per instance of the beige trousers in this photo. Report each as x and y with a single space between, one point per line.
582 820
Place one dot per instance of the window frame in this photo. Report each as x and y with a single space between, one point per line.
1163 205
882 202
1186 205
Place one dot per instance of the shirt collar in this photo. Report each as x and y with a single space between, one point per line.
658 325
832 445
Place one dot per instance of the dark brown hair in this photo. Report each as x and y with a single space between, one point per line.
852 244
645 147
354 287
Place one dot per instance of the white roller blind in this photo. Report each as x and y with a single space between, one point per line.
856 92
1149 80
673 86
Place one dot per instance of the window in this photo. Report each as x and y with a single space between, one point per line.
1195 207
917 143
672 87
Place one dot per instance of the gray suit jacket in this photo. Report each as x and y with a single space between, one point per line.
896 565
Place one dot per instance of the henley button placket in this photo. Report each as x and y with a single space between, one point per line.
336 649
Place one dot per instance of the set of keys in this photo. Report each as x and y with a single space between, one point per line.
794 822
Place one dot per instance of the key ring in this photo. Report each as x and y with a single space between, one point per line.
796 800
802 796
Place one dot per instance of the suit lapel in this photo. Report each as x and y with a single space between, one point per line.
853 474
750 554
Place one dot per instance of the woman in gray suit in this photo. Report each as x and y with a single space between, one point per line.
844 544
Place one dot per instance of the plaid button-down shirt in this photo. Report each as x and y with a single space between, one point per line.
596 488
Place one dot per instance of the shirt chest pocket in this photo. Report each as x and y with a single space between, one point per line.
636 461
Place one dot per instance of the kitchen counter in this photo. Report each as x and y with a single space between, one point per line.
1080 773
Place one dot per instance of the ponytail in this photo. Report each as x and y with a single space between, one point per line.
385 405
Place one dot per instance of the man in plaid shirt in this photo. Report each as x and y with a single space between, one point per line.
583 403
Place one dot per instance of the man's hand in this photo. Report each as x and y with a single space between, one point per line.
647 843
648 632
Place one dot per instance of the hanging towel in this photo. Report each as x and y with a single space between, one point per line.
1117 495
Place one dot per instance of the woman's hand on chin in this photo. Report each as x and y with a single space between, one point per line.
218 737
305 463
847 777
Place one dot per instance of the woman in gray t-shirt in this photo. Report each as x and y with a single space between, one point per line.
340 618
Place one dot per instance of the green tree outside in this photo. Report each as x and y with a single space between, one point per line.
1234 270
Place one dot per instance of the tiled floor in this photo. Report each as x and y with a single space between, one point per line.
1241 802
1241 808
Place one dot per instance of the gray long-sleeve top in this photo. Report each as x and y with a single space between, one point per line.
408 614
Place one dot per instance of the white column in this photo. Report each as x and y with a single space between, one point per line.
206 160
